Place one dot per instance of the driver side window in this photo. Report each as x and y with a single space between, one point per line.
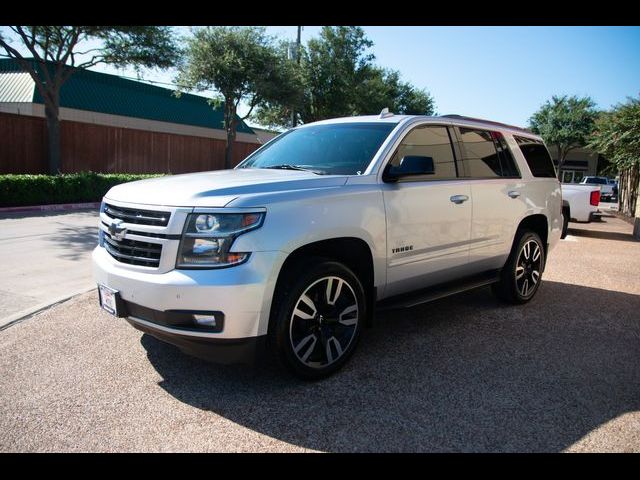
429 141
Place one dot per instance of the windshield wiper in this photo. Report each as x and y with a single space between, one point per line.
287 166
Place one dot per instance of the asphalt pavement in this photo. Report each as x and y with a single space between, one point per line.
46 258
462 374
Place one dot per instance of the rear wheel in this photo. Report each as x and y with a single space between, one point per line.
565 222
522 274
318 319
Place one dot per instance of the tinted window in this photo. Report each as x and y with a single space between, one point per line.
429 141
508 163
336 149
598 180
537 157
480 157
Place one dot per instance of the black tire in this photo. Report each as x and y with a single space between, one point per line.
565 222
318 340
520 268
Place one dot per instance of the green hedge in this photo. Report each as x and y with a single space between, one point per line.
19 190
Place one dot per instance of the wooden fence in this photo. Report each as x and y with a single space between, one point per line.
106 149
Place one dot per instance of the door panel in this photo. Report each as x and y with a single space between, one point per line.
492 226
427 234
498 195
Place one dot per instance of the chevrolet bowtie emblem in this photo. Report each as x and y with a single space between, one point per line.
117 230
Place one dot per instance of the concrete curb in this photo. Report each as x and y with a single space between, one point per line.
51 208
30 312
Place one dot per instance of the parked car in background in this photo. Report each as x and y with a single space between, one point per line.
614 186
606 190
579 204
294 248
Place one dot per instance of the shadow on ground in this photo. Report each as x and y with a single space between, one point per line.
76 242
462 374
621 236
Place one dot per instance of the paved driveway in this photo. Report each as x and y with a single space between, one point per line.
45 258
464 373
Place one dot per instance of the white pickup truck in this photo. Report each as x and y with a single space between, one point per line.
579 203
606 188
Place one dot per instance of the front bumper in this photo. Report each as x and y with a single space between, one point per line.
218 350
242 293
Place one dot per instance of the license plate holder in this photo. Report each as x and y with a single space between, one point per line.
110 300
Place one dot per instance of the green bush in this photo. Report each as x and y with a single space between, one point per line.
19 190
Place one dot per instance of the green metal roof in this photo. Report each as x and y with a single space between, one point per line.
104 93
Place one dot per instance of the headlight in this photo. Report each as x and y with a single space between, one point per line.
207 238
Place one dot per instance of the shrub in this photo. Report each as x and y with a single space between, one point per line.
20 190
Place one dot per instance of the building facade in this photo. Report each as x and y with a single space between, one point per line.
579 163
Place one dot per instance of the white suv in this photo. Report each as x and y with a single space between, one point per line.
295 248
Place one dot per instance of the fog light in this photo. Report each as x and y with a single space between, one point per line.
206 320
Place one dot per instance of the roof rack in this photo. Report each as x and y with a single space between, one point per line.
481 120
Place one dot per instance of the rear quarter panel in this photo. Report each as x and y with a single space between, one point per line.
579 198
542 195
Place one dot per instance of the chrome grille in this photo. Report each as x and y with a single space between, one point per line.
136 216
133 252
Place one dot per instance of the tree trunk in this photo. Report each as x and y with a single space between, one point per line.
561 157
53 137
230 127
628 190
627 204
622 190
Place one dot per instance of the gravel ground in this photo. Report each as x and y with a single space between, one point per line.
461 374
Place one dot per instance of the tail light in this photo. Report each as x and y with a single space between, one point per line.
595 198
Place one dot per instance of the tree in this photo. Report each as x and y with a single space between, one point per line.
339 79
566 122
58 51
384 88
617 137
333 65
242 64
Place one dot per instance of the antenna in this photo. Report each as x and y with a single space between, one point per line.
385 113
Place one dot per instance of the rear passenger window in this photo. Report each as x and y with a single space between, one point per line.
480 156
429 141
508 163
537 157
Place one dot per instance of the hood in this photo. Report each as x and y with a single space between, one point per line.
218 188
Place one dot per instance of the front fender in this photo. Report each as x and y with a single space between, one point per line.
296 220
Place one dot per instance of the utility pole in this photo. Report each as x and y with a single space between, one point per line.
294 120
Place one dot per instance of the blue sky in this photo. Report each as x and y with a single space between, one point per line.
500 73
506 73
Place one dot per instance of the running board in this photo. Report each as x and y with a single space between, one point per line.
439 291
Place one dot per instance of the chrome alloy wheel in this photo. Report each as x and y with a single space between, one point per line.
528 268
323 322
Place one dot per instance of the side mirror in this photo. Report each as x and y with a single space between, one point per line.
411 165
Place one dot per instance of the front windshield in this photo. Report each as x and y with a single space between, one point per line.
334 149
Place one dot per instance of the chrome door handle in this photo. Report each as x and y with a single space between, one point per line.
513 194
458 199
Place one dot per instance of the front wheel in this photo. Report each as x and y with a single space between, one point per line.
522 274
318 320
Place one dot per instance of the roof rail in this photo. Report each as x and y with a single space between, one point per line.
499 124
